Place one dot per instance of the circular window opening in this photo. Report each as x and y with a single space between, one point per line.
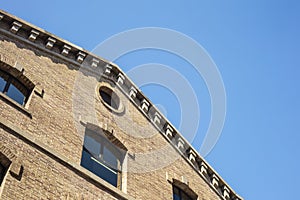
110 99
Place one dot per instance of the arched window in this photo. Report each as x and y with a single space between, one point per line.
4 165
3 170
13 87
182 191
102 157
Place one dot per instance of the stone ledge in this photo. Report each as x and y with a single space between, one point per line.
15 105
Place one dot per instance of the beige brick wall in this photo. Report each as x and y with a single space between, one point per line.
43 177
55 124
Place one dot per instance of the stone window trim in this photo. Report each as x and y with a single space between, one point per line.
117 148
105 133
107 89
16 73
7 155
12 165
5 164
184 186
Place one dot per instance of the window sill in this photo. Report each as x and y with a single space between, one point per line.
14 104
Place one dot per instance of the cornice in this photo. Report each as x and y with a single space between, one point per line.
43 40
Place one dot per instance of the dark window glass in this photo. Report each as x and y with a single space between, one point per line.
2 84
94 165
13 88
92 145
15 94
179 194
2 172
101 157
110 158
185 197
108 99
176 194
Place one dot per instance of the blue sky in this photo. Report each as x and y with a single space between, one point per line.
256 46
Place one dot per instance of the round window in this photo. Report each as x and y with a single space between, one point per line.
110 99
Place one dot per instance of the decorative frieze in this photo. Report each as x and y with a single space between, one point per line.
94 62
169 132
180 144
132 92
120 79
50 43
80 56
107 69
145 105
33 35
226 192
157 118
203 168
66 49
192 156
15 27
215 181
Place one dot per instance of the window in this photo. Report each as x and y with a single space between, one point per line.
2 172
13 88
110 99
179 194
102 157
4 164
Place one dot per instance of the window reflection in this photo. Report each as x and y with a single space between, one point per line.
13 88
2 84
15 94
101 157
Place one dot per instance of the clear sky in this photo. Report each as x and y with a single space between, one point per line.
256 47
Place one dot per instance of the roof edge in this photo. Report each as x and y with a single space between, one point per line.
33 35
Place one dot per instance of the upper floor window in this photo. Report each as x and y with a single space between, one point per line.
179 194
4 164
107 98
110 99
13 88
102 157
181 191
2 172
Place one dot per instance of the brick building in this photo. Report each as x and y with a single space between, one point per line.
74 126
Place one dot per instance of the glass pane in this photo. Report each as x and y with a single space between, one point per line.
176 195
2 84
15 94
110 158
92 145
19 86
108 99
2 172
88 162
185 196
